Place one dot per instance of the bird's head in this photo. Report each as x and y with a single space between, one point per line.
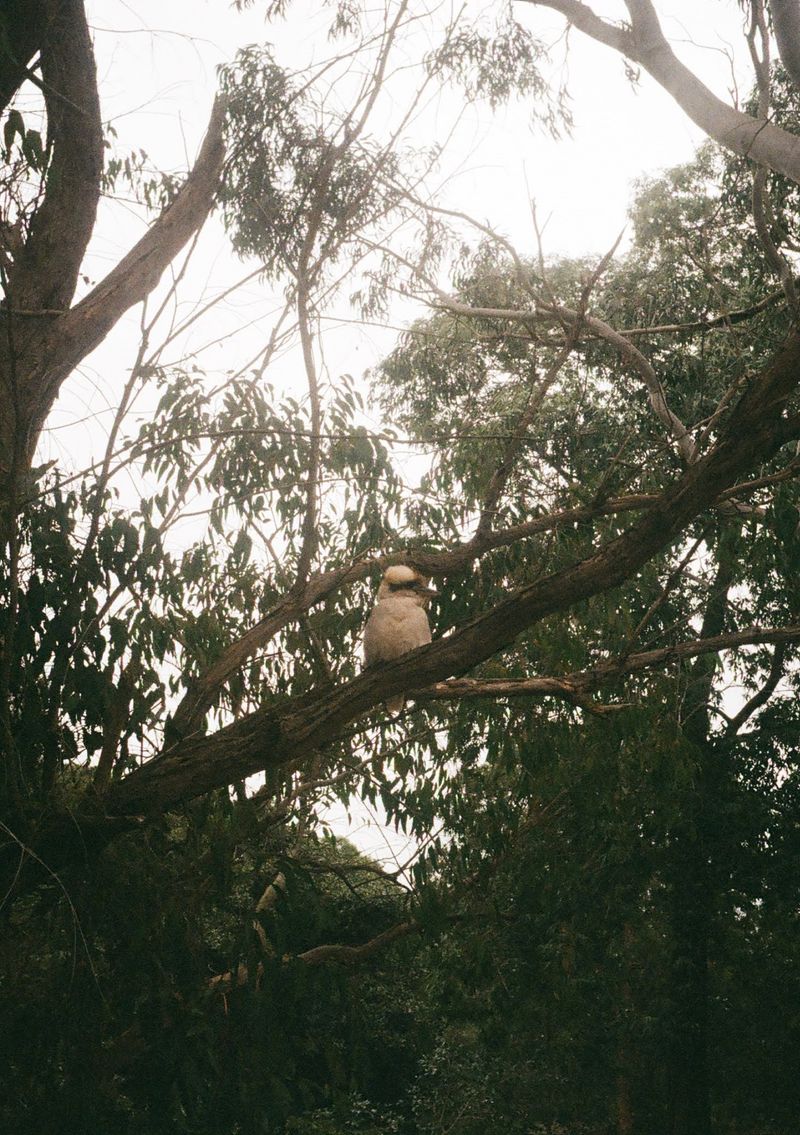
403 581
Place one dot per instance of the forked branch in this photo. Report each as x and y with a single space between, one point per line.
644 43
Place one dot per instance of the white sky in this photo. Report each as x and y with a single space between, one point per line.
156 66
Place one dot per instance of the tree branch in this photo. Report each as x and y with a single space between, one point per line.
352 955
273 736
71 337
645 44
762 696
200 696
284 734
44 273
786 23
582 682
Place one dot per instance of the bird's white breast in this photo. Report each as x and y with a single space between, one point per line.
397 624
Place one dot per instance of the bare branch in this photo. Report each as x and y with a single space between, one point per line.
580 683
82 328
352 955
646 45
762 696
317 956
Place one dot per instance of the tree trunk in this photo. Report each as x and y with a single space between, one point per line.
693 891
690 1096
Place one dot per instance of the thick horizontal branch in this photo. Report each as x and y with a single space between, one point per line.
275 736
203 691
201 695
582 682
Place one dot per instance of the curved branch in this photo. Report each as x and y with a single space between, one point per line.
83 328
646 45
46 271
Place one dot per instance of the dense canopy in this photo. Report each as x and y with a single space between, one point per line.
594 459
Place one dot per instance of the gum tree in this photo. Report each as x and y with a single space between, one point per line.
138 681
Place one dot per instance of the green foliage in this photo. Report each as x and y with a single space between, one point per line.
498 63
162 1050
293 185
151 187
30 141
572 865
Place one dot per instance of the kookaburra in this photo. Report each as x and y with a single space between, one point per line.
398 622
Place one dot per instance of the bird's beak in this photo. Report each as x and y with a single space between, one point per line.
431 592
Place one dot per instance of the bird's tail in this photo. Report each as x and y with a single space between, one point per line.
395 704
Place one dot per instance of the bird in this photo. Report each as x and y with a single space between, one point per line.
398 622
